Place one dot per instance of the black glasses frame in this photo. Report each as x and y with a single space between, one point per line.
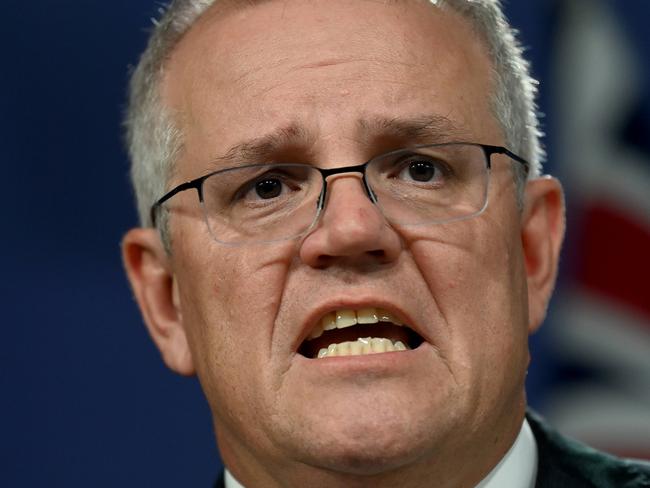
197 183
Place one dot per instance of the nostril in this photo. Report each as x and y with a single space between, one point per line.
323 261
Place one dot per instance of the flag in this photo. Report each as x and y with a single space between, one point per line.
600 320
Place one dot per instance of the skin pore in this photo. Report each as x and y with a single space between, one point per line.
327 83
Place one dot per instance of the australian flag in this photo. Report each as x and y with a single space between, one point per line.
599 327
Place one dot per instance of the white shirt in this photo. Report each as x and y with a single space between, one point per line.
517 469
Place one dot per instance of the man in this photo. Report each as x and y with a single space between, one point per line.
345 236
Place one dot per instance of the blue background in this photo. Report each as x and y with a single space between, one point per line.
86 400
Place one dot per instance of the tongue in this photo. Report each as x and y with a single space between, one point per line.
336 336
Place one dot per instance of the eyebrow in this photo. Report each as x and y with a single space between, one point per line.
429 129
264 147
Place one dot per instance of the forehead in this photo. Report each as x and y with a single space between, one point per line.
250 68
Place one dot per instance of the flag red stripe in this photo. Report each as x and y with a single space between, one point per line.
614 257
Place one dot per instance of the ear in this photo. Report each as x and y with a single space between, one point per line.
154 285
543 225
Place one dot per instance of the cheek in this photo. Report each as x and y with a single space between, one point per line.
474 279
230 297
474 272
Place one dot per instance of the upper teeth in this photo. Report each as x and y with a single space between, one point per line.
347 318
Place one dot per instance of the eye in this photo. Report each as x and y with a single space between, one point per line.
275 185
267 188
420 169
257 191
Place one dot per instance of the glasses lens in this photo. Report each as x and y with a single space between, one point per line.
261 203
429 184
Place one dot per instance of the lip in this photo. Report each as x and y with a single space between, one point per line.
347 304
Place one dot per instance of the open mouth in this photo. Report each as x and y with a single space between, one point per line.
358 332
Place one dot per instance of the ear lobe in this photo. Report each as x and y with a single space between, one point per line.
543 225
154 285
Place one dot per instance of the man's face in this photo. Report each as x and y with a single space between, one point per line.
335 78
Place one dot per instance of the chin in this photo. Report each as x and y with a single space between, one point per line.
369 442
370 457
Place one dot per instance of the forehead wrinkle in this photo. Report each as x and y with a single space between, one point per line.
430 129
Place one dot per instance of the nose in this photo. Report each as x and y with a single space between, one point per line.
351 231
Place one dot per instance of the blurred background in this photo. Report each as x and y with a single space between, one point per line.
85 398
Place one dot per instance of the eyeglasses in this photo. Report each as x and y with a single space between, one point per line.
425 184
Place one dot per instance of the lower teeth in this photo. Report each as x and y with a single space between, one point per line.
361 346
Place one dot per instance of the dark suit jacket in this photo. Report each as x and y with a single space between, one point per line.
565 463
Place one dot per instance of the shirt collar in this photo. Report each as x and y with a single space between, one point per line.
230 481
517 468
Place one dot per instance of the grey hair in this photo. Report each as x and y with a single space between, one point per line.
515 91
154 142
